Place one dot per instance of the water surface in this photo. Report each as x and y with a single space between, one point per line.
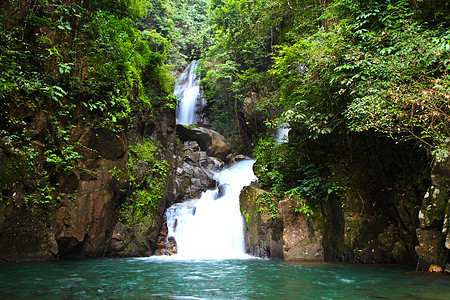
153 278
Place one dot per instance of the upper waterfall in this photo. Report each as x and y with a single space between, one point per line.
187 89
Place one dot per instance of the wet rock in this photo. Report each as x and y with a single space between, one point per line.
430 248
191 181
211 163
81 223
117 242
25 237
233 158
221 191
263 230
433 234
191 157
191 146
209 140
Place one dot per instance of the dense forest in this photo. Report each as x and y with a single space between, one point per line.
363 87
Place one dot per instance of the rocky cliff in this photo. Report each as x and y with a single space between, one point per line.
387 202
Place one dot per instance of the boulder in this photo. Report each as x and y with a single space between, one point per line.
190 181
233 158
429 250
209 140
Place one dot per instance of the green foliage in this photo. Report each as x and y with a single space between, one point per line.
148 174
286 171
240 91
64 64
375 67
267 201
368 66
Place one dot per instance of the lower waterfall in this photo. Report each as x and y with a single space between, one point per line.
212 227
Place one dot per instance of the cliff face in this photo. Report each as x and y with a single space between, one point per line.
87 131
84 221
388 203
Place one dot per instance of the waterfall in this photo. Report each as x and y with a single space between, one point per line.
212 227
282 134
187 90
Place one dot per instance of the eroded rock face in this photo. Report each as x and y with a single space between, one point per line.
25 236
433 233
83 224
283 234
302 240
263 230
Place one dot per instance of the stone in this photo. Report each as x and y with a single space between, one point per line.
209 140
433 234
221 191
117 241
430 249
302 240
234 158
190 181
435 268
263 230
103 142
81 223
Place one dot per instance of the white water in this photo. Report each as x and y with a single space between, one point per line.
210 228
282 134
187 90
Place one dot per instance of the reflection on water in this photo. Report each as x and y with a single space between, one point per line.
153 278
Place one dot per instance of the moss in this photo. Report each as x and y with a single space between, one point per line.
248 219
148 174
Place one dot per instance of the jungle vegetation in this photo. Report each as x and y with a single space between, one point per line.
323 67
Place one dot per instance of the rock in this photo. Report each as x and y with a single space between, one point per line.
221 191
433 234
302 240
191 145
103 142
191 181
263 230
82 222
117 241
430 249
209 140
29 239
233 158
191 157
435 268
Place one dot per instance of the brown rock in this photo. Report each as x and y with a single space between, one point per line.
301 238
104 142
435 268
263 230
209 140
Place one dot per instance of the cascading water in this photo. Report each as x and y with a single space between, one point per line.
212 227
187 90
282 134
